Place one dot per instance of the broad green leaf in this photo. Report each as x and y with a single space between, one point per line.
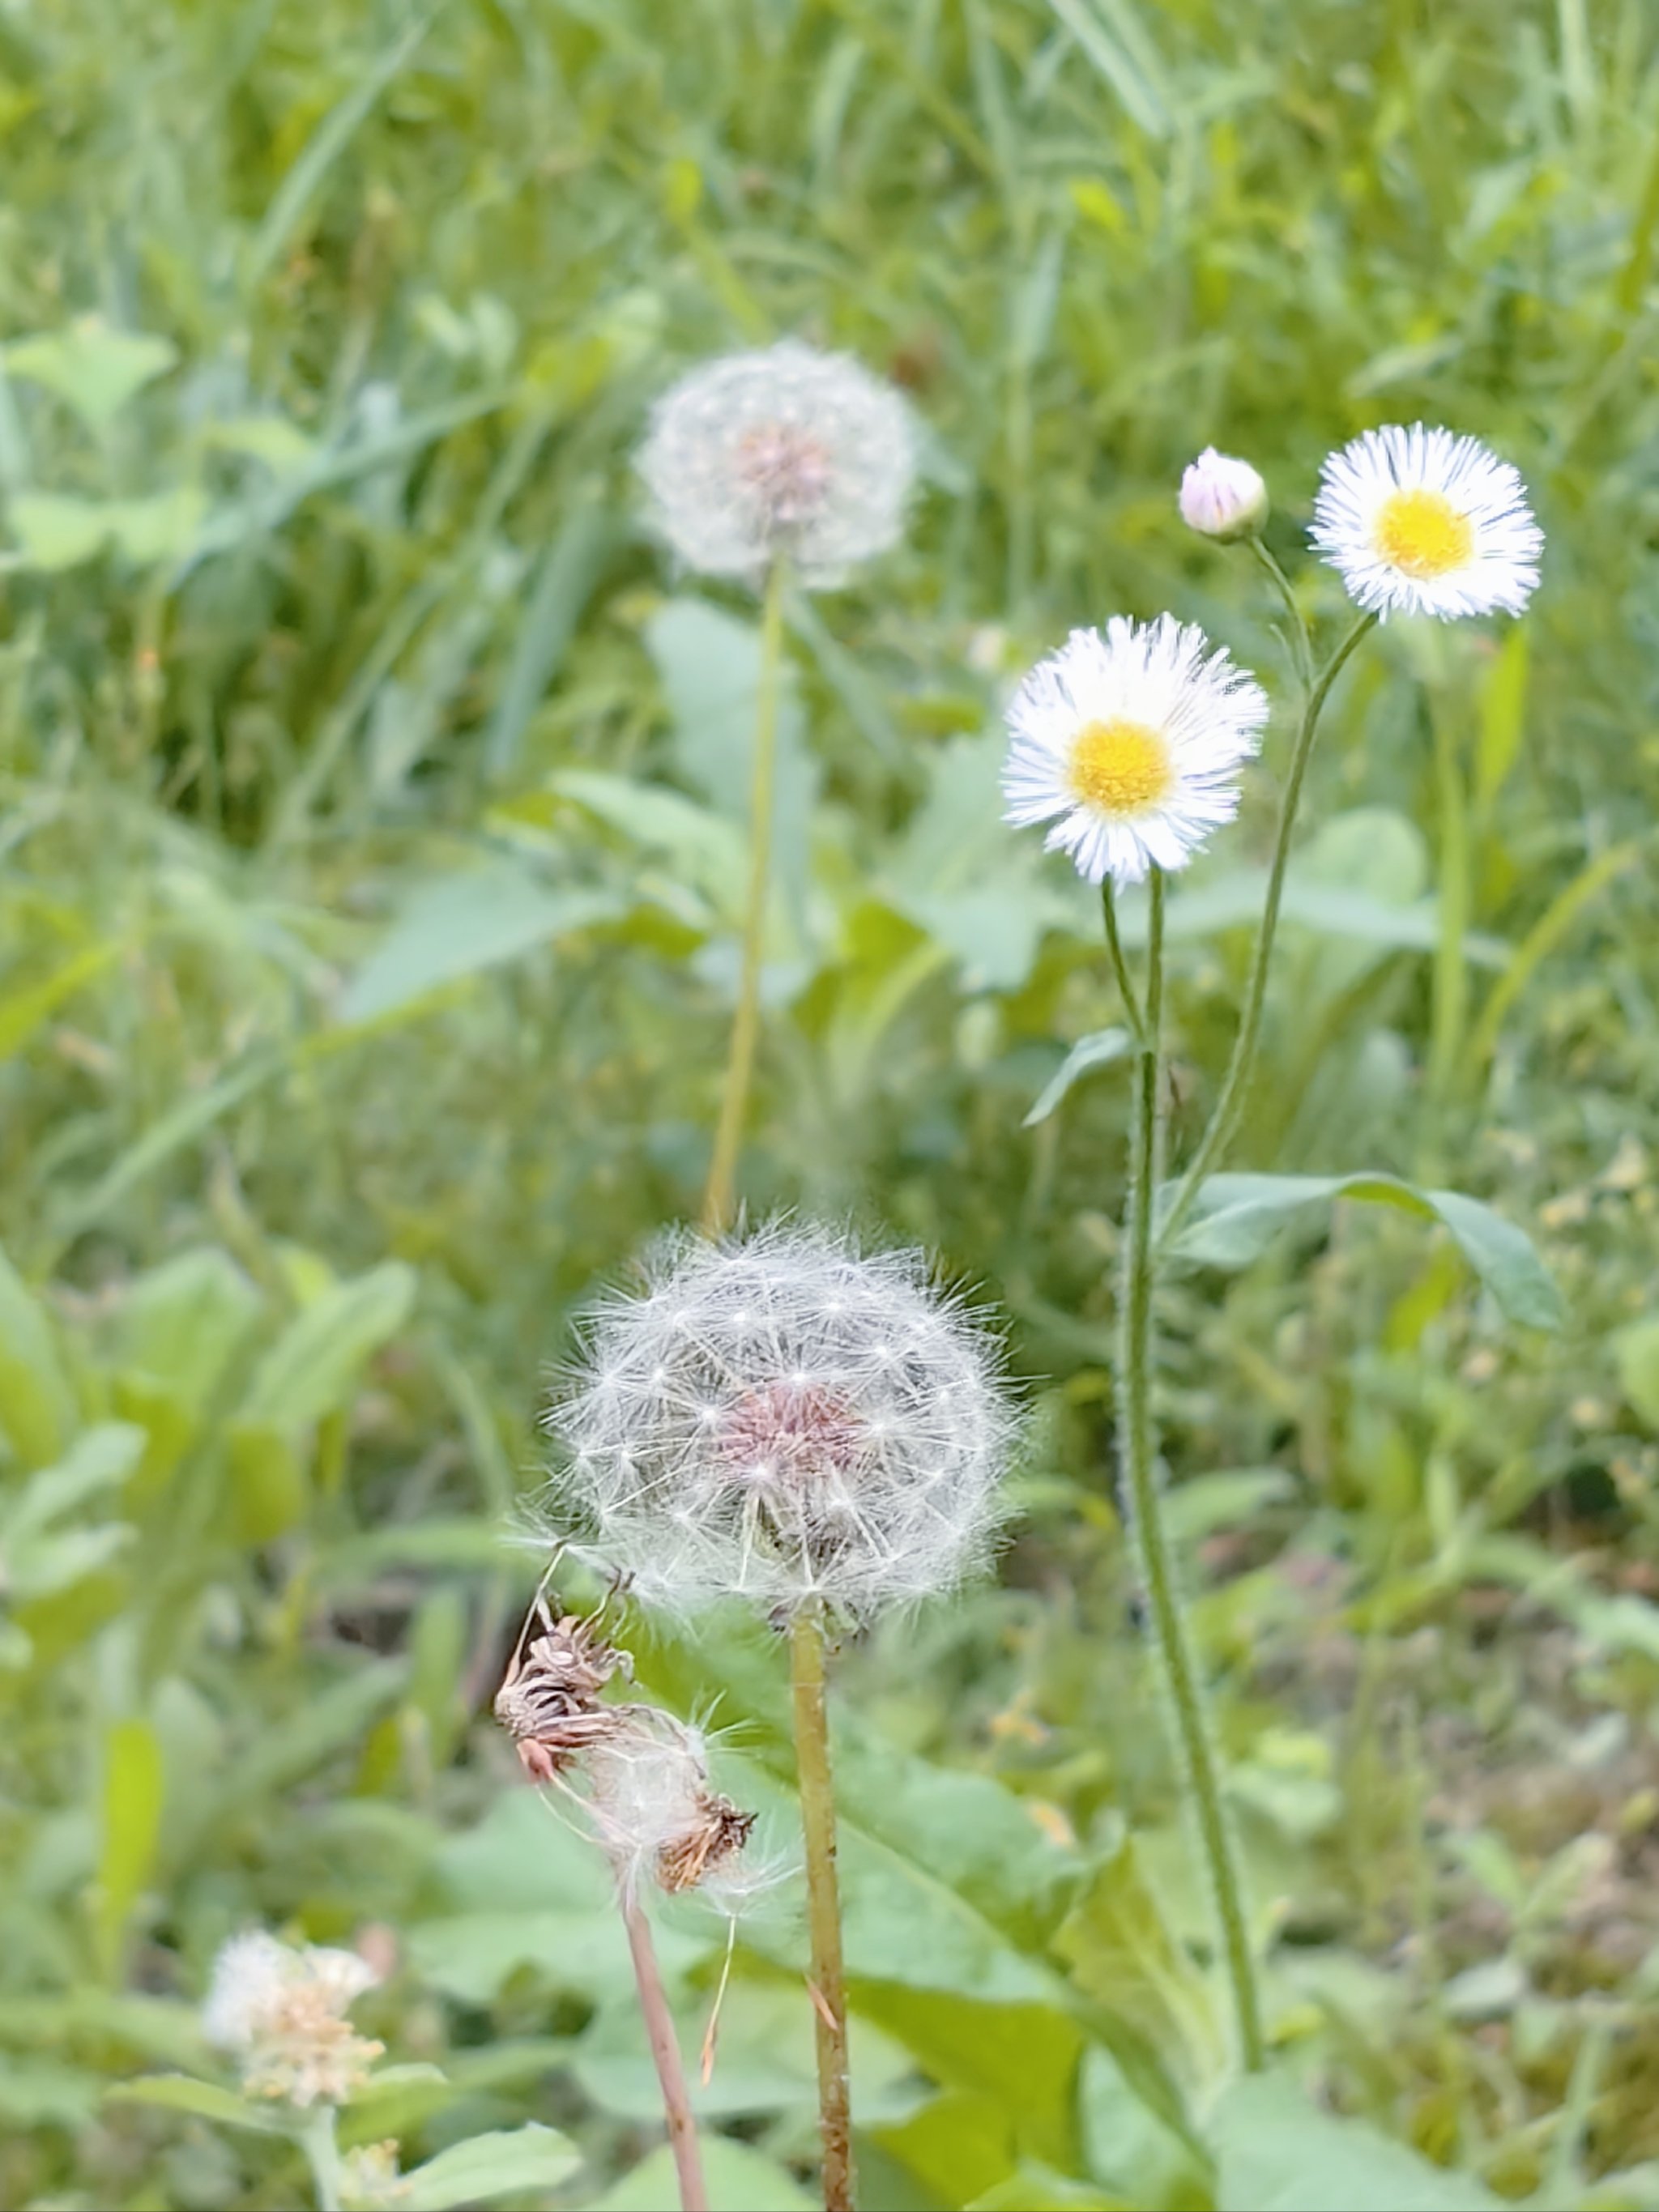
312 1368
281 446
100 1459
1122 1950
132 1827
486 2167
37 1407
159 528
202 2101
1031 2188
95 368
268 1490
1099 1049
40 1566
1278 2152
739 2179
181 1324
954 2145
1636 1349
462 924
706 851
57 530
40 2093
1237 1217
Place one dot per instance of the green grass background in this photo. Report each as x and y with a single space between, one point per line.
371 804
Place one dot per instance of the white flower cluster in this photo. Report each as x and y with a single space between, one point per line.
786 451
780 1417
282 2012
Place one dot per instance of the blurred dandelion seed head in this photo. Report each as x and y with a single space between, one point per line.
783 451
655 1812
1222 496
1129 741
281 2011
781 1417
1419 521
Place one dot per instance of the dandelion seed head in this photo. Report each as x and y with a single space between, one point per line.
833 1425
786 451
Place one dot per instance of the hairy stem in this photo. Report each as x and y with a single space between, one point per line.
817 1814
322 2150
720 1190
665 2053
1235 1085
1139 1449
1119 965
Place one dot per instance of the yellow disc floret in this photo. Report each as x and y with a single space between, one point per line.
1119 768
1422 534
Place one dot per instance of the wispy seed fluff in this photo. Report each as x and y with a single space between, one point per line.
787 451
282 2012
781 1417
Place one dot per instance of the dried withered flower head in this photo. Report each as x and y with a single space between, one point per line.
780 1417
784 451
282 2012
547 1702
654 1811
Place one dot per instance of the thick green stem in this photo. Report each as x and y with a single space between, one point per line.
720 1190
666 2056
828 1982
1139 1450
322 2150
1235 1084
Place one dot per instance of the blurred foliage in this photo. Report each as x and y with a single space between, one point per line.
371 810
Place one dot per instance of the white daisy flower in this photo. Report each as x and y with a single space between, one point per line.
1129 740
1420 522
784 451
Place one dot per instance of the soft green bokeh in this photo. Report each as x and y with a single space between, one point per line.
369 852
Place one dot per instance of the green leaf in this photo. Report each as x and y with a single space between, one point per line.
132 1827
1636 1350
313 1365
95 368
1503 714
462 924
1122 1950
705 850
203 2100
181 1324
43 2094
1099 1049
740 2180
100 1459
489 2165
1237 1217
37 1407
22 1011
1278 2152
1031 2188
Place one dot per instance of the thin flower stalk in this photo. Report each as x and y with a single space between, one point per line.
665 2058
1138 1454
720 1191
829 1984
1223 1125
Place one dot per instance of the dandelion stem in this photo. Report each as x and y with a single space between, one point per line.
720 1192
1223 1125
1139 1450
665 2053
322 2150
818 1813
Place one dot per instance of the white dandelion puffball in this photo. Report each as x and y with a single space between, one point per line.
1129 741
779 1417
1421 522
282 2012
1222 497
786 451
654 1814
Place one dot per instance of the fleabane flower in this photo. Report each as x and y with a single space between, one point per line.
1419 521
786 451
781 1417
1129 741
1222 497
282 2012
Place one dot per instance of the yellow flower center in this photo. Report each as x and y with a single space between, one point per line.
1421 533
1119 768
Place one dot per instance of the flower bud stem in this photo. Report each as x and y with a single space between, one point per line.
817 1814
1138 1451
322 2150
1224 1120
665 2053
720 1191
